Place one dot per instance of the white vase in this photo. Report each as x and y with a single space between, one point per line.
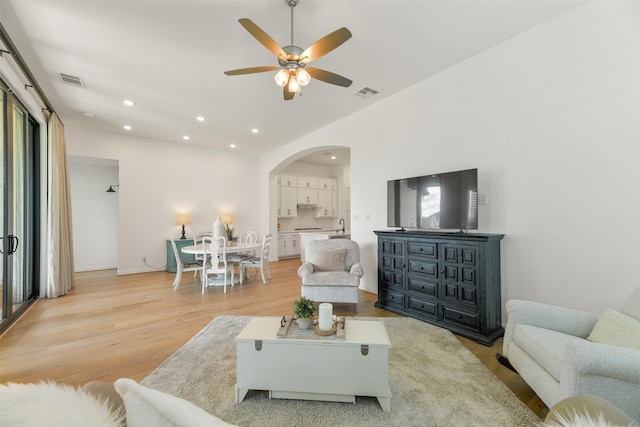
304 323
218 228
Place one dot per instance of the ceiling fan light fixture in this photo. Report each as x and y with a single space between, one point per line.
294 85
282 77
292 59
303 76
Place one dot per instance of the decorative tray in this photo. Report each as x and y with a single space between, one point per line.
289 329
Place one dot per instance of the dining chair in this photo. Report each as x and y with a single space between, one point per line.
261 262
245 237
215 252
197 240
182 265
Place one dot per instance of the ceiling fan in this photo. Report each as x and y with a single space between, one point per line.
294 72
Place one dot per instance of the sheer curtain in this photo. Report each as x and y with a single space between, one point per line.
60 266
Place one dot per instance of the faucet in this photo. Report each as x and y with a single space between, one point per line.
341 222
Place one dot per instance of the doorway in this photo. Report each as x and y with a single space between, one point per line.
20 228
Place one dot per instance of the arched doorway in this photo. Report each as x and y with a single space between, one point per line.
324 166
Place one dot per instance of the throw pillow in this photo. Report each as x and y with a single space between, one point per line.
52 405
148 407
615 328
328 260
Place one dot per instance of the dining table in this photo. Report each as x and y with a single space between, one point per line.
234 248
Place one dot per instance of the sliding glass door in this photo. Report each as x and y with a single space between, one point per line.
18 195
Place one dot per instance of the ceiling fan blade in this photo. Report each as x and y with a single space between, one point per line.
325 45
328 77
288 96
251 70
263 38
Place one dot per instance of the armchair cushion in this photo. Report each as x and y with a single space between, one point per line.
329 260
617 329
331 278
544 345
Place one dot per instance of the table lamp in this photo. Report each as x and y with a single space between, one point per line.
183 220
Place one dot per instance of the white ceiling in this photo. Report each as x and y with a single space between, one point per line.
169 57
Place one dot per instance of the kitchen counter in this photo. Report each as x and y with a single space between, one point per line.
307 236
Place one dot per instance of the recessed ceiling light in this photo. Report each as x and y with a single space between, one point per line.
129 103
232 145
88 114
200 118
333 157
127 127
255 130
186 137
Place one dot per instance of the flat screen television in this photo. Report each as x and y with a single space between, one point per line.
436 201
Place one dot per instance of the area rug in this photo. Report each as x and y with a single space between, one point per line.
434 380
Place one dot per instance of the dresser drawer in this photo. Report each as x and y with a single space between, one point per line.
428 308
424 287
429 250
391 298
461 318
426 268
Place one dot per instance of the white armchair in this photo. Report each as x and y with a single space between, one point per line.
548 346
331 271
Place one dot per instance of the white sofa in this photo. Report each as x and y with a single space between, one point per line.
561 352
331 271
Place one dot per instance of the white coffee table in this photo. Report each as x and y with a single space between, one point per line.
325 369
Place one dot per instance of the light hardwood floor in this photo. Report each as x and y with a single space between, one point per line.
112 326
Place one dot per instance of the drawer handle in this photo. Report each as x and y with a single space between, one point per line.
258 345
458 316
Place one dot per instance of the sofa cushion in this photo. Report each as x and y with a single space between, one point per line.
327 260
615 328
52 405
331 278
545 346
148 407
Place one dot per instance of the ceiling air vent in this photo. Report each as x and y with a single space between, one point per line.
72 80
366 92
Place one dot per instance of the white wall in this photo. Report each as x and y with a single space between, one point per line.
95 216
551 120
159 180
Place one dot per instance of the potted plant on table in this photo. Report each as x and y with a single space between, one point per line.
303 310
228 231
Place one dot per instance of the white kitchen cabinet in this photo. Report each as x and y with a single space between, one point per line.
327 184
307 196
287 202
287 181
328 204
288 245
307 182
